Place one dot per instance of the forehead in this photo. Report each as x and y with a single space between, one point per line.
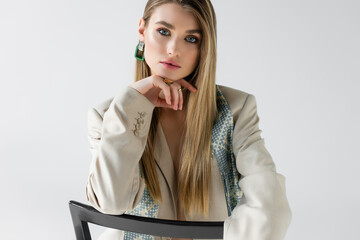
176 15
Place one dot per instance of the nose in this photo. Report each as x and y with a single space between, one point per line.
173 47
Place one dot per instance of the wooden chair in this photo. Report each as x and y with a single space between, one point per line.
83 214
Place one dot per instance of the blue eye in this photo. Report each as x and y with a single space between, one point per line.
161 31
195 40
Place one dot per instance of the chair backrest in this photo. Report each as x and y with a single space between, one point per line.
83 214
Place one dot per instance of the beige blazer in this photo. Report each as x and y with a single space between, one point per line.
115 186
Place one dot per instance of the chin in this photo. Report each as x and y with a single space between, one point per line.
173 77
169 74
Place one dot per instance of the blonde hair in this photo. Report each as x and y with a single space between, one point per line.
195 163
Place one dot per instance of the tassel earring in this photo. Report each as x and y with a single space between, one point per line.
139 51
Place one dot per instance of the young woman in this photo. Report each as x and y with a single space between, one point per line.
175 145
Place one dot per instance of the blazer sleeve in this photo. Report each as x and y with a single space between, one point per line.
263 212
117 141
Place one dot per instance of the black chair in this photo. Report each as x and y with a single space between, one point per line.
82 214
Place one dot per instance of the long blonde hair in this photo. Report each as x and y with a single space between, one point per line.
195 163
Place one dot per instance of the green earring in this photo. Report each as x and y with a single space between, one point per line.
140 47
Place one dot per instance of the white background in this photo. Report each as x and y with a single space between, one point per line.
300 59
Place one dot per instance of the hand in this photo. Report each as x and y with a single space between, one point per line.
151 86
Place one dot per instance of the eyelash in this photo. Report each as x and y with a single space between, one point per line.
168 31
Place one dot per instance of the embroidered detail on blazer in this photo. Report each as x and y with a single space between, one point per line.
139 121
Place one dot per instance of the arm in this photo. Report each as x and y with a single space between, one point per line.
263 212
116 148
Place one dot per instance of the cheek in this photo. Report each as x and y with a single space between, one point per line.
152 49
155 41
194 56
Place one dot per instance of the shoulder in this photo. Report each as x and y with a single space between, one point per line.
233 94
237 99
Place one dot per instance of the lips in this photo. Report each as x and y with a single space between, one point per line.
171 63
169 66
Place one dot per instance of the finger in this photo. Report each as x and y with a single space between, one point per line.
166 90
175 94
187 85
181 99
163 103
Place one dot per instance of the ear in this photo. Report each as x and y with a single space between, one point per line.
141 29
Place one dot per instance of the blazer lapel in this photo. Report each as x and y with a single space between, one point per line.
164 161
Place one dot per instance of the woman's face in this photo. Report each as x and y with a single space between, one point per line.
172 34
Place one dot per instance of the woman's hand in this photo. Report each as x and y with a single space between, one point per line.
151 86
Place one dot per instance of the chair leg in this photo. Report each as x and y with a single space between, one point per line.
82 231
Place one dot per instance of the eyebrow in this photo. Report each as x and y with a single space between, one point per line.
172 27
